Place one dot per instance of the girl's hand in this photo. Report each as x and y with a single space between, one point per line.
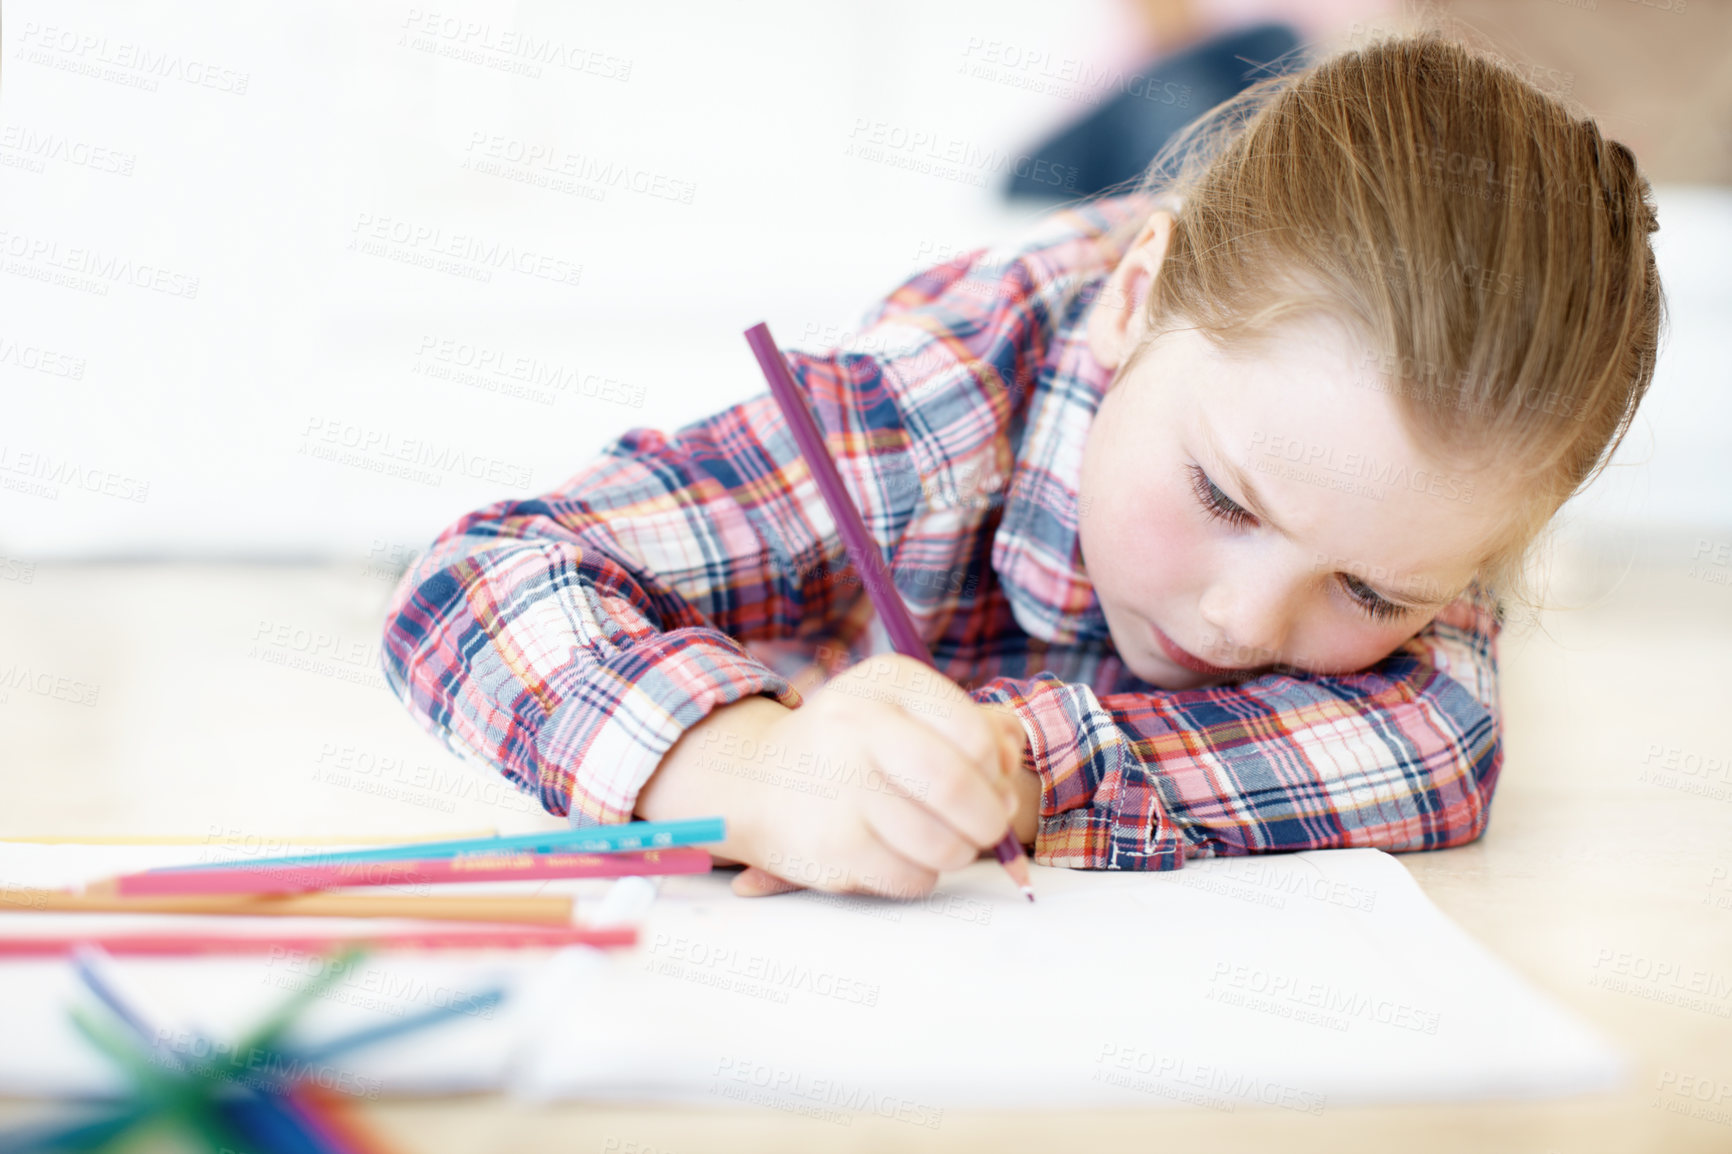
888 775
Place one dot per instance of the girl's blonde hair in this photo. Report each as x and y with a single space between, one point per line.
1487 244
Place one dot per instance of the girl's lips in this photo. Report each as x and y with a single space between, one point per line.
1180 657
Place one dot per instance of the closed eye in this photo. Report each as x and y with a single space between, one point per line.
1221 507
1216 503
1375 607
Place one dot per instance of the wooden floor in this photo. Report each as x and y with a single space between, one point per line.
187 700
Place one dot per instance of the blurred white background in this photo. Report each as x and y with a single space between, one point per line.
219 221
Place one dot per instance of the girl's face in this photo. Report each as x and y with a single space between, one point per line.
1247 510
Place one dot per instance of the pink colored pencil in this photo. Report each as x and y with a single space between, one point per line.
292 879
180 945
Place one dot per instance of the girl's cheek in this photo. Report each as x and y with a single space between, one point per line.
1172 555
1159 562
1348 648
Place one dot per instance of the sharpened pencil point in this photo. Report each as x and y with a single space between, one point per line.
1017 868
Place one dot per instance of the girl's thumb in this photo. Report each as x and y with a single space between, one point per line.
753 882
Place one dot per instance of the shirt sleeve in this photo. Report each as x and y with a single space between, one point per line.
1402 756
569 640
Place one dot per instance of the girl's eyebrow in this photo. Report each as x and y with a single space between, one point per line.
1248 498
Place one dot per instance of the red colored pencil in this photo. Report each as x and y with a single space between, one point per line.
291 879
178 945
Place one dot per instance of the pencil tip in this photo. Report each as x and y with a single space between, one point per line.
1028 892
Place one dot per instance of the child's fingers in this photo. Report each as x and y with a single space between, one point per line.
966 725
808 678
1015 740
894 876
916 834
928 697
753 882
933 772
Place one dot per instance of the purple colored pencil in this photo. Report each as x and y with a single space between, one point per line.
862 549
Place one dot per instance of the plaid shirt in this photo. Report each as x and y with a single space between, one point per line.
568 640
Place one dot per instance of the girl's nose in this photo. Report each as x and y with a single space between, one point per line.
1249 613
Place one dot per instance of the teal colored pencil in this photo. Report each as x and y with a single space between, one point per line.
623 838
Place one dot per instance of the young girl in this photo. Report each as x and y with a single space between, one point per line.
1202 497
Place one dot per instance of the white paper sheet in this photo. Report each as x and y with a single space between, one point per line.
1291 981
1295 981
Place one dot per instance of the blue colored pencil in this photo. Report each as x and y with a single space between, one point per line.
622 838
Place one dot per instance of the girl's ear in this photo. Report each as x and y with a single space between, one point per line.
1116 320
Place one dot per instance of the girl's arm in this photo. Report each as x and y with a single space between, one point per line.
1402 756
568 640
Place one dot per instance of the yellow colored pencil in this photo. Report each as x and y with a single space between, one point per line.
551 910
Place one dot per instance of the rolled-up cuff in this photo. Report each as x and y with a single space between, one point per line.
602 742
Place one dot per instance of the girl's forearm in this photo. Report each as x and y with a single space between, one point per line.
702 776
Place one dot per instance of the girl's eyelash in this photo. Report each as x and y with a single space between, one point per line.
1216 503
1370 603
1223 508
